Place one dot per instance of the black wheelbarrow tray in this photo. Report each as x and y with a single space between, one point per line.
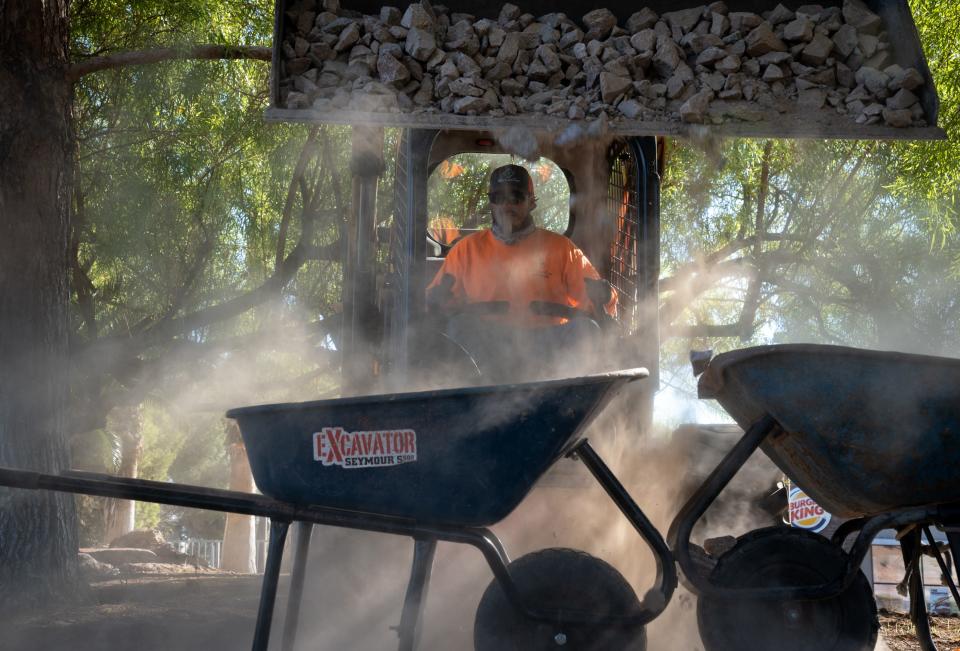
871 436
435 466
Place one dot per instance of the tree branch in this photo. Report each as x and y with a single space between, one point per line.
696 330
803 291
337 195
706 263
157 55
751 302
306 154
695 276
697 284
81 281
240 304
207 244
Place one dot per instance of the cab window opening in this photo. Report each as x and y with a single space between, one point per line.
458 204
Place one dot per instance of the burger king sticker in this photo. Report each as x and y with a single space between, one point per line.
805 513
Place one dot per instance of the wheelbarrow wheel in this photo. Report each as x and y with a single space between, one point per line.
780 557
704 563
560 580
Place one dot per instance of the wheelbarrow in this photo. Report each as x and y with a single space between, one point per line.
871 436
434 466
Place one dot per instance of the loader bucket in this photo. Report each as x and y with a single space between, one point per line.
854 70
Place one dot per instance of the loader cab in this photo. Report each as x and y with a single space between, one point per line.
603 195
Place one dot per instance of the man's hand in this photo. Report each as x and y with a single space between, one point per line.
439 296
600 293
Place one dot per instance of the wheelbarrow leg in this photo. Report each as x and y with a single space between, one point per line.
657 597
953 538
910 548
678 536
304 531
945 568
268 591
413 602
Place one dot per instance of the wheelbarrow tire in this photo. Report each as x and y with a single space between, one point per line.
704 563
779 557
559 580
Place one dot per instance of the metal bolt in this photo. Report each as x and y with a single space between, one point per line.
560 639
793 615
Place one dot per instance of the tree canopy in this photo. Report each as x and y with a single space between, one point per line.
929 171
205 245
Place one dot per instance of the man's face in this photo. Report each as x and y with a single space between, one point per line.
511 207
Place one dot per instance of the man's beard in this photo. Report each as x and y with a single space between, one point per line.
504 230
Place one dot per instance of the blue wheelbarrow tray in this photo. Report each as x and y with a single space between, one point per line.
463 457
864 432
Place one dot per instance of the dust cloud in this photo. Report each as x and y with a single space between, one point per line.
356 580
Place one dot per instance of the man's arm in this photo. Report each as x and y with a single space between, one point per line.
585 285
446 287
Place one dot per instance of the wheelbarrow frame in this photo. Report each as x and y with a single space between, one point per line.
426 537
909 521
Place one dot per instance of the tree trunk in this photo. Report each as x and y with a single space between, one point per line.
239 552
120 514
38 531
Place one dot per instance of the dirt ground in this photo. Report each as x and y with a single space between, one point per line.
193 613
897 632
213 613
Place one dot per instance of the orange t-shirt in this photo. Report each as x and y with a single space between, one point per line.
543 266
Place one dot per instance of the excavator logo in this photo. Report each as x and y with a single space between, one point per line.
334 446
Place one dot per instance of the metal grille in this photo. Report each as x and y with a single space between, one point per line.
623 205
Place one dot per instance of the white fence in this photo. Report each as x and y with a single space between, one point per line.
261 555
209 551
206 550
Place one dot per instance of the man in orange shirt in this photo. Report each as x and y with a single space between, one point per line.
519 296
